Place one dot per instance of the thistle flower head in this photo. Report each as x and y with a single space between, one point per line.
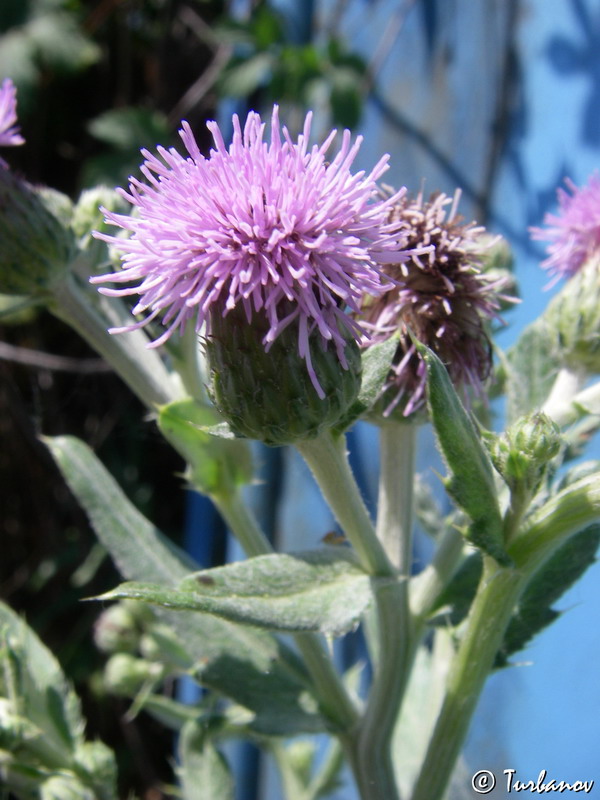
441 295
9 130
270 227
573 233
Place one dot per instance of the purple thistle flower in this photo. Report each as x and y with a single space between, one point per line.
9 131
573 233
441 296
270 227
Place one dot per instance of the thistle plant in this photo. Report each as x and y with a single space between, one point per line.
282 297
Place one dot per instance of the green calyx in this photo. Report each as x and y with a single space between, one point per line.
37 244
574 318
269 395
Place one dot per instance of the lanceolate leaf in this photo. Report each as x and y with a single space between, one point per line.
323 590
376 365
471 480
558 574
250 666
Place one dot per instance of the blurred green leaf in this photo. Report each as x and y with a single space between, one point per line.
203 771
61 46
130 128
530 369
243 76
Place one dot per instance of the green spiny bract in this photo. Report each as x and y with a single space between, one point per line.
269 395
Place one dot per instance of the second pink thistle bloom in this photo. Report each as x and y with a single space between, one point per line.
574 233
268 227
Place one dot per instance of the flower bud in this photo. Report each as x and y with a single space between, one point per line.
37 244
522 454
116 630
126 675
573 317
270 395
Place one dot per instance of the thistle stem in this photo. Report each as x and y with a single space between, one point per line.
333 698
327 460
397 447
490 613
397 634
559 403
128 354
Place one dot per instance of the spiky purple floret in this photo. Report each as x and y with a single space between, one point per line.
271 226
573 233
9 130
441 295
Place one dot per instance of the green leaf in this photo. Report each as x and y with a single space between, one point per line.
252 667
453 604
242 76
44 697
531 367
203 771
128 129
60 44
471 482
376 365
218 465
136 545
558 574
319 590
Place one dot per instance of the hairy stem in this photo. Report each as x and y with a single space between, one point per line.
128 354
490 613
328 462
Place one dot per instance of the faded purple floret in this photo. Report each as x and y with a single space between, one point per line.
272 227
573 233
9 130
442 296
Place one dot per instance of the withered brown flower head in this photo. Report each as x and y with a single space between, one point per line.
443 297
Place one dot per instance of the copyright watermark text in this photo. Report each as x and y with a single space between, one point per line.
484 782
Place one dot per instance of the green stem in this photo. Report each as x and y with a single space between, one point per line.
397 445
333 698
559 404
141 369
490 613
328 462
397 636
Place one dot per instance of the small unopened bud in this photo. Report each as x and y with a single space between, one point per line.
116 630
523 453
269 395
573 317
37 245
126 675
